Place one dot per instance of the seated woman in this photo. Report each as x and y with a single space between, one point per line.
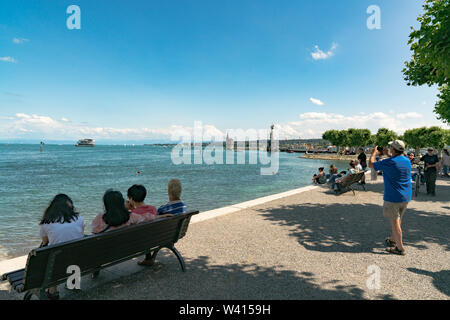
359 168
319 178
117 215
332 169
60 223
332 176
351 170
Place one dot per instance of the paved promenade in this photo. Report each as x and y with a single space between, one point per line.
311 245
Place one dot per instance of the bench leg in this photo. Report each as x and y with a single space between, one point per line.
179 257
42 295
153 254
28 295
95 274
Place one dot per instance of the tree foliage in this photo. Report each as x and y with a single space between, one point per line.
358 137
332 136
414 138
430 46
384 136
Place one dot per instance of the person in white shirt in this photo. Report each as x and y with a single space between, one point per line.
60 223
445 163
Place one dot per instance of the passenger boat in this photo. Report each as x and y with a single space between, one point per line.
85 143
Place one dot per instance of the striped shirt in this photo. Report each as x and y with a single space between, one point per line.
173 207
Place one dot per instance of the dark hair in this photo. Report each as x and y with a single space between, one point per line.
137 192
59 210
321 168
116 213
333 169
352 163
446 152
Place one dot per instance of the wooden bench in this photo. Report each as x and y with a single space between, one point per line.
47 266
350 181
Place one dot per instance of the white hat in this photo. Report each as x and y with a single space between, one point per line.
398 145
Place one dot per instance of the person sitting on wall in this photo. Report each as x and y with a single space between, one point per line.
320 178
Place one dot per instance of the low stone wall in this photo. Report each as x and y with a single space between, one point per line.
325 156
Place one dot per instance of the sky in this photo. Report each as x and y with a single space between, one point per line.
143 70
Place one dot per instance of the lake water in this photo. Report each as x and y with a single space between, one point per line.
29 179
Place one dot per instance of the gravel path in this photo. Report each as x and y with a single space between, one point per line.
313 245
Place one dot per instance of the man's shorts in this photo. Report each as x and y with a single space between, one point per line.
394 210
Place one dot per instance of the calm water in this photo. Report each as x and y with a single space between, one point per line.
29 179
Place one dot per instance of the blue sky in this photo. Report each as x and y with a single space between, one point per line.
139 70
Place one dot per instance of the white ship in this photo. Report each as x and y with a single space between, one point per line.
85 143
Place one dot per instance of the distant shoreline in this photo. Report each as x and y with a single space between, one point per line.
325 156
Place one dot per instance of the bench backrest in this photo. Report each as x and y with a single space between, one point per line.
355 177
48 265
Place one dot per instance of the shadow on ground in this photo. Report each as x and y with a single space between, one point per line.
356 228
441 279
442 191
204 280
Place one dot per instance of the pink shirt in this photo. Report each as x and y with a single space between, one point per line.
146 210
98 224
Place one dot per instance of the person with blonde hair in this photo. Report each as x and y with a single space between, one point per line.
173 207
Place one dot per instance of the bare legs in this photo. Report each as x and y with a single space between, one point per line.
397 236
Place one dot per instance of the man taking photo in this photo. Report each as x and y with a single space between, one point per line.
397 190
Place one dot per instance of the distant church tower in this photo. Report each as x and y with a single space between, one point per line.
269 143
229 143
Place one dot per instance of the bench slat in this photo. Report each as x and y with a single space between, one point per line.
16 275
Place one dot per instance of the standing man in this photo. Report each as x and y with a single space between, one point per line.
362 158
397 191
431 161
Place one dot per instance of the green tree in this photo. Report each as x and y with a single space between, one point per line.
343 138
436 137
384 136
416 138
430 46
442 107
332 136
359 137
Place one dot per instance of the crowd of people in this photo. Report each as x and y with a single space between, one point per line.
335 179
396 169
61 222
431 161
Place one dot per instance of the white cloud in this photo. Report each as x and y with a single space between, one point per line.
20 40
309 125
313 124
36 126
409 115
320 55
316 101
8 59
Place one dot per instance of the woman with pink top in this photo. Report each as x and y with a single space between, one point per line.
116 214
